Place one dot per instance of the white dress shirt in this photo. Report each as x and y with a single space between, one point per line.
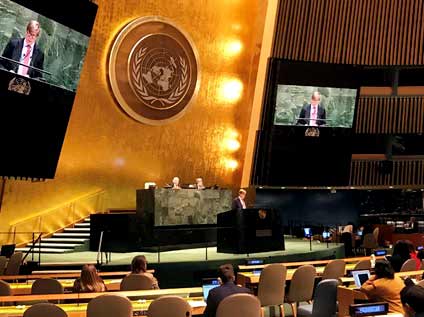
313 115
21 60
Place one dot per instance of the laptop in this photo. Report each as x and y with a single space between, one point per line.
207 285
360 277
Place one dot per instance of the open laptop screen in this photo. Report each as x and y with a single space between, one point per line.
360 277
207 285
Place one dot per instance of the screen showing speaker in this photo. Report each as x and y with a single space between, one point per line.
315 106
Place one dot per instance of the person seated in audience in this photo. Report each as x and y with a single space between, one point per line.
139 266
199 183
89 282
402 252
348 240
385 287
412 297
227 288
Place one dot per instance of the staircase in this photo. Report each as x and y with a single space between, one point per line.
70 240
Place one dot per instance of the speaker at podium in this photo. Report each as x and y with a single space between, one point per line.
250 231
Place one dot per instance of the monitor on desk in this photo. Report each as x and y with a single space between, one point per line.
360 277
207 285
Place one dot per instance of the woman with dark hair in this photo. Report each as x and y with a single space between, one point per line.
385 287
89 282
139 266
402 251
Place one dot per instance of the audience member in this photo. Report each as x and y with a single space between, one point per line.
89 282
227 288
385 287
176 183
348 240
401 253
412 297
139 266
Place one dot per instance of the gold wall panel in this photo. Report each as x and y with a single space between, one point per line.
105 150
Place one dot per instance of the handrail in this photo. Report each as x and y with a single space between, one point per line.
32 247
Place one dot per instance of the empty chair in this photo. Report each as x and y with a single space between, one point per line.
135 282
46 286
109 306
14 264
5 289
325 301
161 307
409 265
239 305
369 243
3 261
301 286
334 269
363 265
44 310
271 286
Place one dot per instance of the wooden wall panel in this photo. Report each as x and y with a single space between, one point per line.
377 32
405 173
390 115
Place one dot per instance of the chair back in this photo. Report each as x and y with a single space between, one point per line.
239 305
334 269
325 299
136 282
14 264
369 241
363 265
109 306
46 286
45 310
376 233
3 261
409 265
302 284
271 285
161 307
5 289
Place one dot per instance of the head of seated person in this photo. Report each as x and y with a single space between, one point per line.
139 266
383 269
89 280
412 297
226 273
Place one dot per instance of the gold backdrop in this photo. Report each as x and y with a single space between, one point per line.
106 155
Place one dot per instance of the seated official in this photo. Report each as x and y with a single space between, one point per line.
89 281
385 287
412 297
176 183
227 288
139 266
199 183
238 202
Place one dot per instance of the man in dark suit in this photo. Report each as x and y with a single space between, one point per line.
313 112
227 288
238 202
25 51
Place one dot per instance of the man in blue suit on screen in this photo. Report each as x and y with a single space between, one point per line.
313 114
25 51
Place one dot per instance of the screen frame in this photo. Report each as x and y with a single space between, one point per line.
356 273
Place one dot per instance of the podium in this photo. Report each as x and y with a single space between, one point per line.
250 231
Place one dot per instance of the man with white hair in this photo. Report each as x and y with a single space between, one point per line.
313 114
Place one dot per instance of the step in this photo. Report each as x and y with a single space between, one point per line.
82 224
76 230
63 240
58 245
87 219
44 250
70 234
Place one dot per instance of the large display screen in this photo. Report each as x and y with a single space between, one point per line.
315 106
55 53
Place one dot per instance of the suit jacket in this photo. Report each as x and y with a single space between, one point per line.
13 51
236 205
304 115
217 294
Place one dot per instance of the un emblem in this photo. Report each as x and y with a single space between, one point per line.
154 71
